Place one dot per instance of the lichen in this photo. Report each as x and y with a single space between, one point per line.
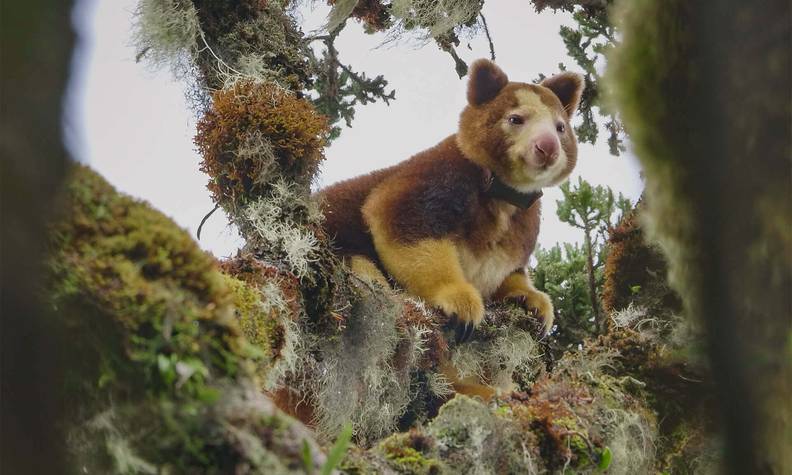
437 18
272 223
358 380
166 33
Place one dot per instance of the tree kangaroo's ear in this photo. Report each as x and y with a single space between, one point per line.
569 88
486 81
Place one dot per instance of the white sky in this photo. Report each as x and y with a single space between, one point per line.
133 125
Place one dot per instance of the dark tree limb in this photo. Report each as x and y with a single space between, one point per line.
489 38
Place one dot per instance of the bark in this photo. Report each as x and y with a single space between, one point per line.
591 280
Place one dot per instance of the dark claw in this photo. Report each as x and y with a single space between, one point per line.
464 331
460 331
450 322
469 327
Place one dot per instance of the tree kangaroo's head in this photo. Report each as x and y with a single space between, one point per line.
519 131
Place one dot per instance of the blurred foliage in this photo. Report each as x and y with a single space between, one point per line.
159 379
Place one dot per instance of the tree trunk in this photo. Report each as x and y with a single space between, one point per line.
36 39
720 199
591 280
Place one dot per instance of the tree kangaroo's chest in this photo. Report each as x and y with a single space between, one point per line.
487 257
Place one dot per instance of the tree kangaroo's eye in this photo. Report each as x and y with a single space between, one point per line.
515 119
560 127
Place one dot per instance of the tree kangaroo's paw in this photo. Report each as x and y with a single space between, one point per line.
539 302
464 305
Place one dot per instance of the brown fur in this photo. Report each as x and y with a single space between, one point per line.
428 222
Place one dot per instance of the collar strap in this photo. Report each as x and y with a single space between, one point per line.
498 190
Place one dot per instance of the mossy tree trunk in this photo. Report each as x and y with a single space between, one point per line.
706 97
36 39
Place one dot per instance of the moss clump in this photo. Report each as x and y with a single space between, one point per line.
373 14
286 130
411 452
635 272
160 378
270 300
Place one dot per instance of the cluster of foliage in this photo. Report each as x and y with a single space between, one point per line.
444 22
217 43
573 274
339 89
214 44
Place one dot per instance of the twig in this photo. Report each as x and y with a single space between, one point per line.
489 38
198 233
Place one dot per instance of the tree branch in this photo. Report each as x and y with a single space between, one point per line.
489 38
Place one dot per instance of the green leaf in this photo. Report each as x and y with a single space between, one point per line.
605 459
338 451
307 458
207 395
166 369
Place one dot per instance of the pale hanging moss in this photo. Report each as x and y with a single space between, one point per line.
631 442
628 316
439 385
342 9
437 17
357 380
166 33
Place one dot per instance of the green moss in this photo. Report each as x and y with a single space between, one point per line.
258 323
678 70
157 347
410 453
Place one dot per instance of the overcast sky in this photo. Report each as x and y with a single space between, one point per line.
133 125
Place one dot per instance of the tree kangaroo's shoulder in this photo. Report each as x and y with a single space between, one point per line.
431 195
